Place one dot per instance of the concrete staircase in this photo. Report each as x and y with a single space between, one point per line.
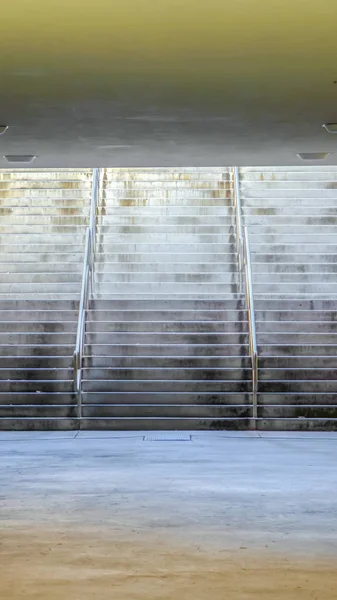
291 215
43 220
166 338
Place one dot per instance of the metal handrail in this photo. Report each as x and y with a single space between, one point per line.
87 285
251 320
238 223
245 269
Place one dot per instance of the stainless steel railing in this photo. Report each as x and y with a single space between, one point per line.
87 286
245 268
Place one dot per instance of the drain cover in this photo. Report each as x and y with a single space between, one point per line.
167 437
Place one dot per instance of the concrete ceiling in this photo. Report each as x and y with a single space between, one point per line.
167 82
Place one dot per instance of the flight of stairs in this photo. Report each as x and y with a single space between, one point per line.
291 214
167 336
43 218
166 331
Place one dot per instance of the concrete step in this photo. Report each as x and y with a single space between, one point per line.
163 338
49 187
37 362
172 386
305 337
289 173
296 399
35 349
165 237
40 424
162 411
38 221
300 374
295 316
279 210
294 327
288 186
37 412
314 280
271 200
307 362
328 386
167 185
47 279
168 350
37 386
301 222
166 398
155 232
36 316
147 288
295 288
293 305
281 194
173 198
168 304
295 237
195 247
137 261
39 305
299 349
158 279
152 315
16 399
111 213
168 373
170 362
37 326
31 289
22 196
167 174
157 267
29 248
58 206
35 374
29 338
41 267
164 219
154 424
285 258
298 412
295 270
294 248
166 326
30 239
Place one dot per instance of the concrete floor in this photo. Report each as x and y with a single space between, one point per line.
230 496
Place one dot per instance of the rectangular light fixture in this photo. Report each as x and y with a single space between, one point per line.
3 129
19 158
313 155
330 127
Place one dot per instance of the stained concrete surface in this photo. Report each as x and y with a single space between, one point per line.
237 515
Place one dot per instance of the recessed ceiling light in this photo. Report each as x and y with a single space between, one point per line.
19 158
3 129
330 127
313 155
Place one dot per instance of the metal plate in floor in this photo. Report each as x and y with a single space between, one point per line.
168 437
